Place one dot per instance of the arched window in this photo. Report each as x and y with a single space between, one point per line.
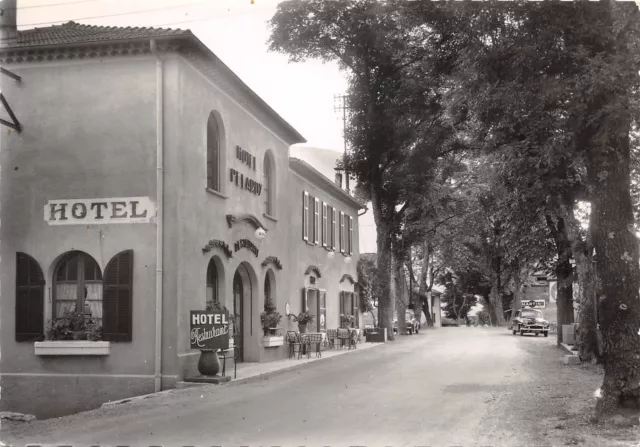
269 174
77 286
212 282
213 153
29 299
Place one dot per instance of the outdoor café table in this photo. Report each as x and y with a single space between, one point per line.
314 338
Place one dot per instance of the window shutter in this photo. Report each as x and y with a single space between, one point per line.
316 221
350 236
305 294
29 299
341 232
305 215
324 225
117 301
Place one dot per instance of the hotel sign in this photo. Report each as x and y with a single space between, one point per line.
99 211
209 329
242 181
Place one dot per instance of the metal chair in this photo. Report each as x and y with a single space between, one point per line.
294 340
231 353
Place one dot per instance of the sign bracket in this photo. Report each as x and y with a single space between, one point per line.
15 124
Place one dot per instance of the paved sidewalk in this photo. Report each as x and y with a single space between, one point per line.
252 371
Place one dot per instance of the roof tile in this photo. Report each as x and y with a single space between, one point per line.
72 32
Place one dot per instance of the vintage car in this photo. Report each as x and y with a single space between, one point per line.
413 325
529 321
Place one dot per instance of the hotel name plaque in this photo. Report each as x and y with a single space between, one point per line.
99 211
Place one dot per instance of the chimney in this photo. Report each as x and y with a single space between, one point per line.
8 22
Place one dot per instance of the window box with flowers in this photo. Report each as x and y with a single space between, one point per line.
270 319
73 334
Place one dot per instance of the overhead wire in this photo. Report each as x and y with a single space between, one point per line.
48 5
142 11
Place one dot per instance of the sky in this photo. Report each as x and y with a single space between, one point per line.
236 31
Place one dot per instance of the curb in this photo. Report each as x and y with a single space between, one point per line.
236 382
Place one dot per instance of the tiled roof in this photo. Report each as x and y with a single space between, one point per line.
72 32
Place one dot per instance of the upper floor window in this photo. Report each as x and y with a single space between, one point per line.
213 153
324 225
269 185
305 216
342 233
350 235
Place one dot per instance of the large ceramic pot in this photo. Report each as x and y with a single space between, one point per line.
208 365
302 328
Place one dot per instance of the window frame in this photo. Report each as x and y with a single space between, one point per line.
350 244
213 154
80 281
324 224
316 220
341 232
214 285
305 216
333 228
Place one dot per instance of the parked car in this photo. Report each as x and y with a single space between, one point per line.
413 325
529 321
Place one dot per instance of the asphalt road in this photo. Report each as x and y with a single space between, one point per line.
435 388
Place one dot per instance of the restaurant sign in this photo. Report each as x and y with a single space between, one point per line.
209 329
534 304
99 211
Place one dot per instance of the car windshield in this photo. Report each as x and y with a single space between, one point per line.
532 313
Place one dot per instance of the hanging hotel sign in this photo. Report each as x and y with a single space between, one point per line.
99 211
209 329
239 178
246 243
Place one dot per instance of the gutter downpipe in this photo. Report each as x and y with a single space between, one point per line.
159 214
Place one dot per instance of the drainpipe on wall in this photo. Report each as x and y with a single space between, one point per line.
159 215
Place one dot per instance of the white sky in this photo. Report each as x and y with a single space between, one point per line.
236 30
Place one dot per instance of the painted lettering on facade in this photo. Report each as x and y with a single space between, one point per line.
245 182
246 243
246 157
99 211
209 330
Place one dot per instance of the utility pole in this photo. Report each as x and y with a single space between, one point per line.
341 104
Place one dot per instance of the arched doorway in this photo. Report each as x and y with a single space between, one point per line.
244 307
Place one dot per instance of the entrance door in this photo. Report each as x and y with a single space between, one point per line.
238 313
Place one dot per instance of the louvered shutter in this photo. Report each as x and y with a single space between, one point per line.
305 307
305 216
350 245
29 299
117 302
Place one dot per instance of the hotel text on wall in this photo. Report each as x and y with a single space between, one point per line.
99 211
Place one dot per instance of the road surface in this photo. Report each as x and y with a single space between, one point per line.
438 388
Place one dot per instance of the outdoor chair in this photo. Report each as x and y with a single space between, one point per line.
293 340
231 353
313 338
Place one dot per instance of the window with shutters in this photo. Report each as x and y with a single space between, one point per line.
212 282
311 214
333 228
213 153
350 245
314 302
341 233
324 225
118 298
30 287
316 221
349 305
305 216
78 286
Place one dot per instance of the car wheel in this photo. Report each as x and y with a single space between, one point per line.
514 332
546 333
521 333
537 333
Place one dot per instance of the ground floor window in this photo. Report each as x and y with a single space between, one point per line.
212 282
349 306
314 301
80 287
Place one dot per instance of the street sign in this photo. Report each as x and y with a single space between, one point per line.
209 329
535 304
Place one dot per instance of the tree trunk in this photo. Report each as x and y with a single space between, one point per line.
496 296
382 279
401 306
426 254
564 276
586 337
616 262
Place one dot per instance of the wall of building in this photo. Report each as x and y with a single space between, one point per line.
89 132
333 270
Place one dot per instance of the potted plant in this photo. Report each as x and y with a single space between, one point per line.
73 333
347 321
303 319
270 319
